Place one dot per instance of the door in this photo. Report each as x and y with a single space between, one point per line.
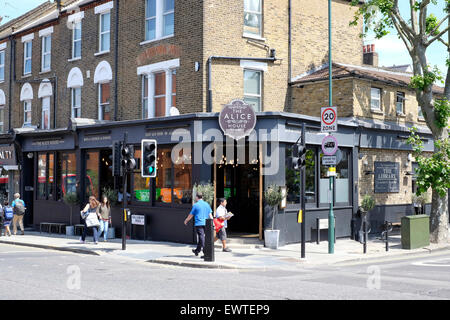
27 193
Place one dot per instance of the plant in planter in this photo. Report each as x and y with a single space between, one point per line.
273 196
70 199
367 204
207 190
111 194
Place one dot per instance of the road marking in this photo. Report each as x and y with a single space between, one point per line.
432 263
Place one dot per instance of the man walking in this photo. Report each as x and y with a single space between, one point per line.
201 211
221 214
18 206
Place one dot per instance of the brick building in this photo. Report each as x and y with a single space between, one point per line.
85 72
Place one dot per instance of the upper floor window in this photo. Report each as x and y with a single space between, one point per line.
400 103
252 88
76 102
2 65
27 52
375 98
253 17
105 32
162 89
46 53
76 40
2 110
46 113
159 19
104 108
27 113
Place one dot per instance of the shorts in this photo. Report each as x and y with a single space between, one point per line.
222 234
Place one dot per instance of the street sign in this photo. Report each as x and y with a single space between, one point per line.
137 219
328 119
329 145
329 160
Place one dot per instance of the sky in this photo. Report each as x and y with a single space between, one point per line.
391 49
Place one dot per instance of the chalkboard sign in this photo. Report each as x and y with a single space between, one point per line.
387 177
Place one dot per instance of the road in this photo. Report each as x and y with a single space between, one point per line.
30 273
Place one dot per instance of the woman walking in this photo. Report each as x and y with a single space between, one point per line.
90 217
105 217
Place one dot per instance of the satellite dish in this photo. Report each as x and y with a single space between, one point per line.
174 111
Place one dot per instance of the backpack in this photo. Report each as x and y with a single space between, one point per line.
8 213
19 208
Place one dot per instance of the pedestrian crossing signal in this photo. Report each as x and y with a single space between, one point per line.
148 158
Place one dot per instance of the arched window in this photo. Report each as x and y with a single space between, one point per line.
45 93
103 77
75 82
26 96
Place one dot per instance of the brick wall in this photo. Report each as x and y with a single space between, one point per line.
4 85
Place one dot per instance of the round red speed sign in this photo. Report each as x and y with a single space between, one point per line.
329 116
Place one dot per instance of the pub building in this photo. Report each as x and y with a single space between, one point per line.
79 158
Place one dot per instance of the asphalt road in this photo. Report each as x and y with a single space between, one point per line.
30 273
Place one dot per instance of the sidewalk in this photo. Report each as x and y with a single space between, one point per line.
346 251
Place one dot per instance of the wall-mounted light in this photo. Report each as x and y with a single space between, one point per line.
196 66
30 155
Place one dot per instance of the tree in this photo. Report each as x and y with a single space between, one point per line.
418 32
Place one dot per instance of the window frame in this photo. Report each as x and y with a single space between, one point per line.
400 95
47 109
151 97
2 66
103 33
260 96
73 100
100 104
47 187
159 18
2 117
75 23
26 58
261 23
46 53
26 111
379 98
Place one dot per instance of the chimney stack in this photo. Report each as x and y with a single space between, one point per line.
370 57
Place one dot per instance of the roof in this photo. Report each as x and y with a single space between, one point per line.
341 71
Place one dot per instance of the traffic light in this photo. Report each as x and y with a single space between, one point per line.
301 156
116 159
128 161
298 158
148 158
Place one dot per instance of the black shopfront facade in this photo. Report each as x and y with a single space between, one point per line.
79 159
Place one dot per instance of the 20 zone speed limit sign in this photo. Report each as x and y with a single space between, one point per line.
328 119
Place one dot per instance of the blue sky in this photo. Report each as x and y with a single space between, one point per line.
391 50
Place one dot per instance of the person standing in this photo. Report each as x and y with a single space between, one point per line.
19 208
8 215
221 214
104 217
90 216
201 211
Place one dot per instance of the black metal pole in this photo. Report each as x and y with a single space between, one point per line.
365 235
124 199
302 193
387 236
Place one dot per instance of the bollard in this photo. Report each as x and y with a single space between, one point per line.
365 236
208 250
387 235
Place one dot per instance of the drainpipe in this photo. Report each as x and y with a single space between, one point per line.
272 58
55 99
116 61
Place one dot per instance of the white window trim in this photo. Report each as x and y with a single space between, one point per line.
159 22
260 87
100 33
3 65
72 101
45 32
25 57
162 20
254 65
3 45
45 109
76 17
379 99
73 41
103 8
403 102
25 103
43 54
28 37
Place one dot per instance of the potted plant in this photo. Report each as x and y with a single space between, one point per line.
71 199
367 204
207 190
273 196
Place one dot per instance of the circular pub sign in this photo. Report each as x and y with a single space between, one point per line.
237 119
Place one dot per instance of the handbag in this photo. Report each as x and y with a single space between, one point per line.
92 220
218 224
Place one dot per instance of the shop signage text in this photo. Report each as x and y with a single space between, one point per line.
237 119
7 155
137 219
387 177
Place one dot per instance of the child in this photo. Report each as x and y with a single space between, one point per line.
8 214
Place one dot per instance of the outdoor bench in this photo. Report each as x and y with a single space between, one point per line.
49 226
